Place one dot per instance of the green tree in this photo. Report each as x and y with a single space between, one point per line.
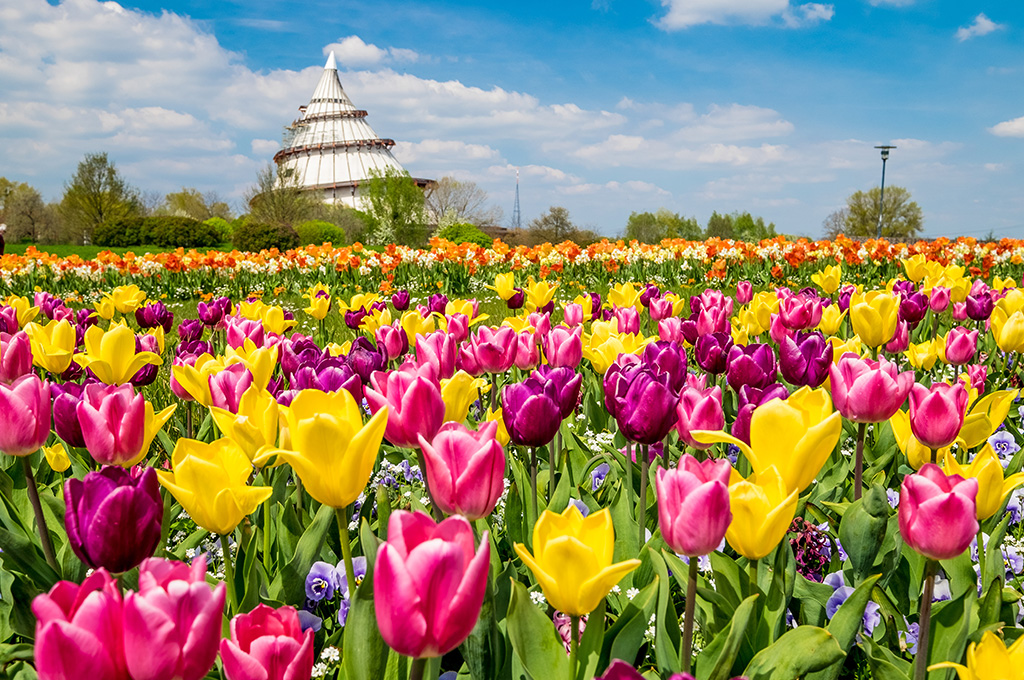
190 203
278 198
648 227
394 207
96 194
901 217
28 218
553 226
745 227
720 226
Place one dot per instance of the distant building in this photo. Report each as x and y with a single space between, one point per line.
331 147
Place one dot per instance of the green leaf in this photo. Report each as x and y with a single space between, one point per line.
289 585
847 622
952 623
800 651
715 661
884 664
534 639
366 654
862 530
666 636
625 637
589 651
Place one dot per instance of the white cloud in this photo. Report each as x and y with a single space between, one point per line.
265 147
353 52
443 151
1009 128
686 13
981 25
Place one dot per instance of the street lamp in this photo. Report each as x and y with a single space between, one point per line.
881 194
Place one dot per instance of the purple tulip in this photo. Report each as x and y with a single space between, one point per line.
668 358
804 359
354 318
845 293
517 299
66 398
329 375
712 352
568 386
155 314
190 330
364 358
648 410
213 312
531 412
913 307
113 518
400 300
650 292
616 381
753 365
903 288
979 306
437 303
749 399
296 352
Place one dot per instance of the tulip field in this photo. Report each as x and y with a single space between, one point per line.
704 460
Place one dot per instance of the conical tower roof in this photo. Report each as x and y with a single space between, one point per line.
331 146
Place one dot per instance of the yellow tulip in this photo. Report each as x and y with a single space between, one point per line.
504 285
337 350
126 299
990 659
158 333
1012 302
678 303
923 355
1008 329
251 309
625 295
358 301
330 449
104 308
319 305
538 294
1000 284
874 316
916 267
274 321
518 324
840 347
572 559
458 392
985 417
111 355
210 483
739 334
254 427
414 324
587 303
195 379
23 309
793 436
260 361
829 278
763 306
601 355
992 487
502 435
57 457
374 320
831 320
53 345
748 319
917 453
762 510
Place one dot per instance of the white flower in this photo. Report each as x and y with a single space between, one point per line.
537 598
632 592
330 654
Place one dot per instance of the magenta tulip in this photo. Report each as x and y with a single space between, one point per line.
25 415
228 386
393 340
413 398
564 347
79 630
494 348
693 505
172 625
573 315
959 311
800 312
699 409
437 349
541 322
937 414
627 318
267 644
900 341
113 420
938 300
867 391
15 356
937 512
528 353
671 330
240 329
465 469
428 584
457 326
961 346
744 292
661 308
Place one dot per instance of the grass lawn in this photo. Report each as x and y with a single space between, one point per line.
89 252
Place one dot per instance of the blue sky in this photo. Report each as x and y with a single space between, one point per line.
606 106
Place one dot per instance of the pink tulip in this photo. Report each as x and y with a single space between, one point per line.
939 299
458 327
466 361
744 292
900 341
714 319
79 630
937 414
779 331
113 421
15 356
712 297
699 409
573 315
800 312
867 391
671 329
172 625
960 311
465 469
961 346
267 644
564 347
438 350
937 512
495 348
228 386
661 308
628 319
977 373
540 322
428 585
393 340
693 505
528 353
240 329
413 398
24 415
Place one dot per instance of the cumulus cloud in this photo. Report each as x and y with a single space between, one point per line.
981 25
1009 128
686 13
352 51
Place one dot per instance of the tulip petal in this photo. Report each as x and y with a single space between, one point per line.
397 603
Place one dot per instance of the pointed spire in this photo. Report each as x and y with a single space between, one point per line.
332 64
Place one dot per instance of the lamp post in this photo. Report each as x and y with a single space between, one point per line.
881 193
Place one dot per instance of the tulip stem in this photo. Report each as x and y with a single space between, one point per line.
691 597
644 464
574 643
552 464
924 621
935 455
858 470
533 479
229 573
416 669
494 391
37 508
629 475
981 560
346 549
266 534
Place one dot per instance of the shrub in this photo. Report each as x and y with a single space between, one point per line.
254 236
316 232
123 233
165 231
222 227
465 233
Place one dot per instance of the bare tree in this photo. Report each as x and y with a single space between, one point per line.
835 223
451 201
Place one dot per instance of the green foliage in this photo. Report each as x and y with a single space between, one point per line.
190 203
223 228
465 233
740 226
316 232
97 194
902 217
253 236
394 209
278 199
647 227
163 231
